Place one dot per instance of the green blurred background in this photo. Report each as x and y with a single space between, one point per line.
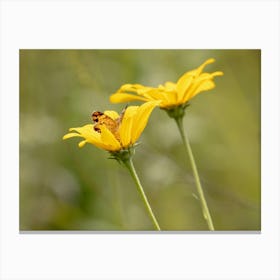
63 187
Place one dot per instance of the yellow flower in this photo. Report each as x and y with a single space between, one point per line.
128 128
170 94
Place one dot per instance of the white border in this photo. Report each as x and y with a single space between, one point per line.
154 24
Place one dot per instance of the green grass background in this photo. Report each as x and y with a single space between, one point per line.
63 187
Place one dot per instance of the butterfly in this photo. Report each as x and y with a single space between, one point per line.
100 119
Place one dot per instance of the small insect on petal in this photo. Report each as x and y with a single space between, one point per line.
102 119
95 116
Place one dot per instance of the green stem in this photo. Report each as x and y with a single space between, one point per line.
129 164
187 146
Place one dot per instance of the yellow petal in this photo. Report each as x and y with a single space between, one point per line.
130 88
203 86
70 135
125 97
82 143
126 126
109 140
83 129
140 119
183 85
87 132
161 95
202 66
217 73
97 142
112 114
203 82
130 111
196 72
170 86
126 132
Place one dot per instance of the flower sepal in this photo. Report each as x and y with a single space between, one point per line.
124 155
177 112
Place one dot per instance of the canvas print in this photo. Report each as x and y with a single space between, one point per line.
140 140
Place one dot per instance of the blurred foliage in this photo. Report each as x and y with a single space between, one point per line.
63 187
